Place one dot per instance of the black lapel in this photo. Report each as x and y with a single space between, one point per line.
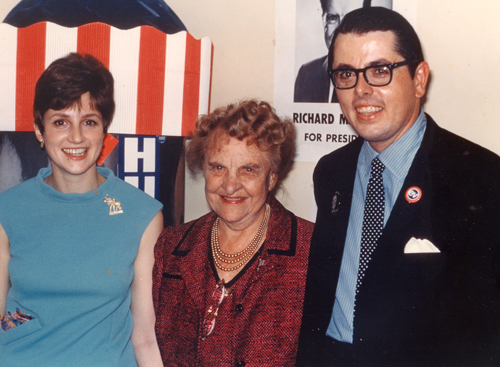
333 185
413 219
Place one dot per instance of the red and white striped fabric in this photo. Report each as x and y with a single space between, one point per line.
162 82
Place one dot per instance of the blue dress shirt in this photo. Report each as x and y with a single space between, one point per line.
397 159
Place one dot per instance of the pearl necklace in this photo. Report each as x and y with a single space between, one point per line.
244 255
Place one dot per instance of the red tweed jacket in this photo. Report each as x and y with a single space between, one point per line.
258 323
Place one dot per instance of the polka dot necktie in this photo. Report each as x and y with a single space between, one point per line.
373 217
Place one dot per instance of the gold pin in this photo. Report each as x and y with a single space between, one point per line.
115 207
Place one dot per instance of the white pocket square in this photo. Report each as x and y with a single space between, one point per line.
419 246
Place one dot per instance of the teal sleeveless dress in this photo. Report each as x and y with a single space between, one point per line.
71 269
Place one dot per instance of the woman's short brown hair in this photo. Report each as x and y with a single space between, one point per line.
62 84
255 120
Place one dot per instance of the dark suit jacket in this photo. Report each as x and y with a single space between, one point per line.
258 323
313 82
437 309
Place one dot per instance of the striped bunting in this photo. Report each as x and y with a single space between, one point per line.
162 82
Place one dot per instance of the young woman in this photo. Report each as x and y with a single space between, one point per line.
76 242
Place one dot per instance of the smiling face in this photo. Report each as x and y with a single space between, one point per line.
73 139
380 115
238 178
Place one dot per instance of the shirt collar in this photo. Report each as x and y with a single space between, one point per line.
398 156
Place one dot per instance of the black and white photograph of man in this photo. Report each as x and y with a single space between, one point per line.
312 83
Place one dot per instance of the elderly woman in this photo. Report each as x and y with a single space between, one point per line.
77 240
229 286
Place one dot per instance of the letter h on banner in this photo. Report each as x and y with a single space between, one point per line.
139 162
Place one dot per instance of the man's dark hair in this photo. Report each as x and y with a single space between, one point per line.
364 20
324 3
62 84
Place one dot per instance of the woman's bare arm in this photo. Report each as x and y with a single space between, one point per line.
4 270
143 338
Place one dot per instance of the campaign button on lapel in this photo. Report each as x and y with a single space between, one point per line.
413 194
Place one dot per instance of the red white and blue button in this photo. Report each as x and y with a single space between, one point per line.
413 194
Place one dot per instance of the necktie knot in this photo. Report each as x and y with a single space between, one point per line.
377 167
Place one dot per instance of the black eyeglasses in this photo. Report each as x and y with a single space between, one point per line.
377 76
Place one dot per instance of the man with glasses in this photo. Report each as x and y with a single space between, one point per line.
312 83
404 266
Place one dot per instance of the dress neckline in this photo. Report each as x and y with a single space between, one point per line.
97 194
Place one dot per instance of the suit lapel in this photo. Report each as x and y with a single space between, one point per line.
334 181
193 259
341 210
412 219
281 240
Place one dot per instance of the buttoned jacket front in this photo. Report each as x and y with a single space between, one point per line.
258 322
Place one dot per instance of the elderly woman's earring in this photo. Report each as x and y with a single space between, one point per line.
42 144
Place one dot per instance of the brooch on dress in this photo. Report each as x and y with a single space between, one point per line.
115 207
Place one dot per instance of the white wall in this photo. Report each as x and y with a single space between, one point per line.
6 6
461 41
